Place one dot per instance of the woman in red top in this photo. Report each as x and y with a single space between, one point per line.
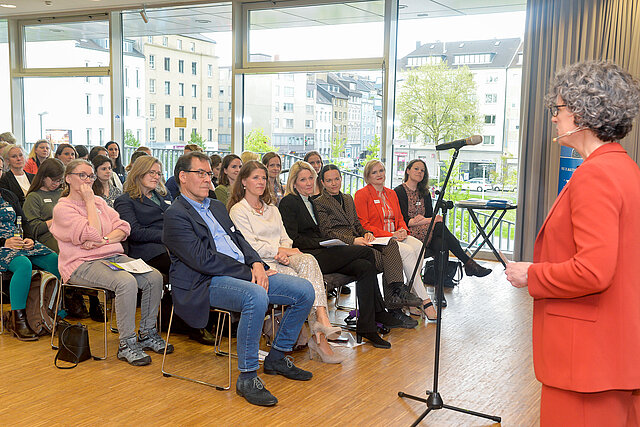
40 152
379 212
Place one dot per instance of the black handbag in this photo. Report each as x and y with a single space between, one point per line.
73 344
452 275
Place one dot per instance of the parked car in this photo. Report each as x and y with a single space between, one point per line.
478 184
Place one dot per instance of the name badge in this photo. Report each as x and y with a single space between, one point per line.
10 209
167 202
47 200
376 201
233 229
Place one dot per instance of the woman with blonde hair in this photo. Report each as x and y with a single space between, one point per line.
41 151
15 179
252 210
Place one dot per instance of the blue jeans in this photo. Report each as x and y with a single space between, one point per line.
252 301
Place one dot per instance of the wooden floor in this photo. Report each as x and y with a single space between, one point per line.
486 365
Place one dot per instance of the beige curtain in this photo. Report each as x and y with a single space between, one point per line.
559 33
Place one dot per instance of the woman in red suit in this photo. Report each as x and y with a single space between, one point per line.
379 212
584 277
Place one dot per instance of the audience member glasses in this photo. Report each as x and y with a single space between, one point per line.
83 176
554 109
202 174
159 174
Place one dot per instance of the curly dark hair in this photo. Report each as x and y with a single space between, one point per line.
602 96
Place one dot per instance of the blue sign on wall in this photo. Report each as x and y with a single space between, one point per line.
569 161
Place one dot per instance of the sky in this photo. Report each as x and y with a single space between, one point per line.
366 40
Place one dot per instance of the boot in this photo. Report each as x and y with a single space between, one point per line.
472 268
20 327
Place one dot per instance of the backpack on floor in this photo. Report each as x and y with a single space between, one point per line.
452 275
41 301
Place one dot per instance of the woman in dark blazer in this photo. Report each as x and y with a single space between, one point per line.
15 179
299 218
415 203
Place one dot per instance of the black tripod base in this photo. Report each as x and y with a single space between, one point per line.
434 402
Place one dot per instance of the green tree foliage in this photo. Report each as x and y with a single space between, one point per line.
373 149
338 145
506 176
198 140
258 142
130 140
437 103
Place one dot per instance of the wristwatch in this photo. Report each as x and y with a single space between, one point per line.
106 239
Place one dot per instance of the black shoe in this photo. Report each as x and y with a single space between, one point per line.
407 321
388 320
74 305
203 336
345 290
472 268
286 368
402 298
255 392
96 310
20 327
383 330
443 302
374 339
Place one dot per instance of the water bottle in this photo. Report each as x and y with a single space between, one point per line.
18 232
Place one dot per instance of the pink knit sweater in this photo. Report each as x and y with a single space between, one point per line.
71 229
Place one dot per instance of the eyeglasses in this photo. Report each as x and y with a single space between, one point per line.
202 174
155 173
56 181
83 176
554 109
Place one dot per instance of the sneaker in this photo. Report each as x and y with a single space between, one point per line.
254 391
286 368
131 351
389 320
402 298
407 321
151 340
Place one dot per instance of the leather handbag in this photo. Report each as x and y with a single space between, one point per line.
452 276
73 344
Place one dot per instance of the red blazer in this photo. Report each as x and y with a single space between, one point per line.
369 210
585 279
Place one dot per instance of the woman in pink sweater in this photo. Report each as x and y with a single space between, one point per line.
89 233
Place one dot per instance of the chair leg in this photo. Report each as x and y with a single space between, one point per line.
218 337
113 314
104 294
55 316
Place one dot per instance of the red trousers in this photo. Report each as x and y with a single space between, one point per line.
614 408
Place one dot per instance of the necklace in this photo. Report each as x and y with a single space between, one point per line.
259 210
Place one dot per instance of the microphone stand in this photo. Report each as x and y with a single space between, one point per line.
434 400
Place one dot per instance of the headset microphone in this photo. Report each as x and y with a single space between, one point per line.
571 132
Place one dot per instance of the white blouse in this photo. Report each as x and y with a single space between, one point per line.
265 233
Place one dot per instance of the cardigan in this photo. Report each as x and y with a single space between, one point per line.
403 200
38 208
9 182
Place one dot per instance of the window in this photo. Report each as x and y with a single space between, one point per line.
309 109
277 106
88 136
209 92
209 70
288 123
101 136
138 134
276 123
192 47
88 103
152 111
167 64
167 134
181 66
167 111
417 61
476 58
179 44
180 89
490 98
492 78
490 119
488 140
209 113
221 105
308 124
181 111
100 106
220 121
152 85
194 68
194 131
288 91
167 88
126 77
277 90
194 91
181 134
194 111
138 107
209 134
165 42
152 134
137 77
309 93
288 107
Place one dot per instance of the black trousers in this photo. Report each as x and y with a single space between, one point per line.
450 243
359 262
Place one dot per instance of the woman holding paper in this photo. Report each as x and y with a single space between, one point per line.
252 210
89 233
379 212
299 218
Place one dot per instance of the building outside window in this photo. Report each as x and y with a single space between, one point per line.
194 111
180 89
194 91
167 64
101 136
308 124
490 119
287 107
165 41
167 111
194 68
88 96
181 66
209 113
152 85
88 136
288 123
209 134
209 92
167 88
152 62
288 91
209 70
181 134
137 77
152 134
137 107
192 47
488 140
100 106
167 134
181 111
179 44
491 98
152 111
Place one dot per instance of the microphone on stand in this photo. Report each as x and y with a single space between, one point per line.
285 170
459 143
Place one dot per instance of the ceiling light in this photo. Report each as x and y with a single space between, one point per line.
8 6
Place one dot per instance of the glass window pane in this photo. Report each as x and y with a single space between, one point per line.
79 122
333 31
67 44
5 92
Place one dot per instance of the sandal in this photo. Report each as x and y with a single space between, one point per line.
424 309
